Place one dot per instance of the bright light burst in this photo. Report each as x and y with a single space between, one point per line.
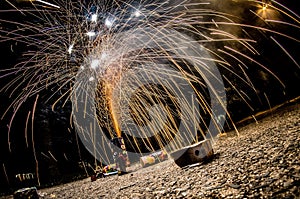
146 70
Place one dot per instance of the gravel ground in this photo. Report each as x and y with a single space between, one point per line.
262 162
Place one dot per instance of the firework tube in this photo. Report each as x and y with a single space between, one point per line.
153 158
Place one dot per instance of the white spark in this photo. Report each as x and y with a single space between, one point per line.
91 34
137 13
104 55
108 22
94 18
47 3
91 79
95 63
70 49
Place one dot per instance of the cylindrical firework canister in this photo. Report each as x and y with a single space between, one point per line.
153 158
147 160
160 155
193 154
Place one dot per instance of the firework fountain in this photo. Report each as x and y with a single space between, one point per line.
152 72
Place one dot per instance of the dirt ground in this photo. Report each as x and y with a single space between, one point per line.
262 162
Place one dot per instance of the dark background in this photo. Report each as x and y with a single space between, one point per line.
60 153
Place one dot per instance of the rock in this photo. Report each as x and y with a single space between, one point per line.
235 186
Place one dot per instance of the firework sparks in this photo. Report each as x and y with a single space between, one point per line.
148 71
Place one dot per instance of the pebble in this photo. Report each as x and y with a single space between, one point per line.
235 186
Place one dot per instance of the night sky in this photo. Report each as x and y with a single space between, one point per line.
56 144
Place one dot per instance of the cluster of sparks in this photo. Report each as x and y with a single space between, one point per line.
80 38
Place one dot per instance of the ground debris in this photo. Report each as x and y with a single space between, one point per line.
263 162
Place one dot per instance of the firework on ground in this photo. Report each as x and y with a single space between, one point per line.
148 71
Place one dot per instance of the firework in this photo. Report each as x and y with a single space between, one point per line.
152 72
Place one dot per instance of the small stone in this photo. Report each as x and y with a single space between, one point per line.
162 192
235 186
184 194
287 184
266 174
148 189
296 176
